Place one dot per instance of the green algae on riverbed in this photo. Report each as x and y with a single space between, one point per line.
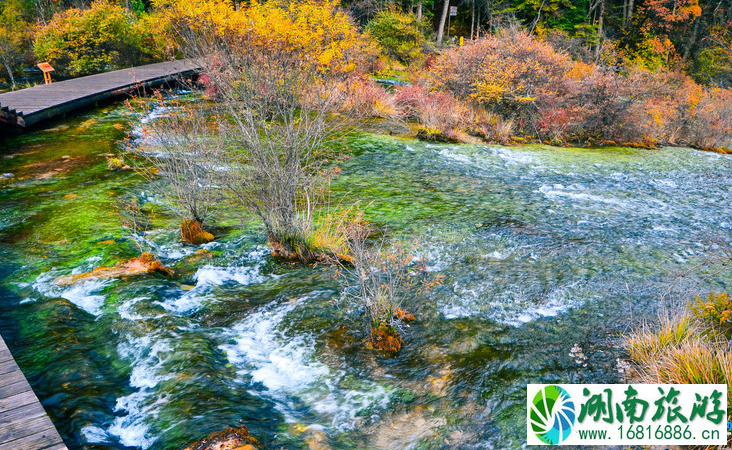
542 249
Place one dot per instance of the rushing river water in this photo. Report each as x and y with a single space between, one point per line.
548 255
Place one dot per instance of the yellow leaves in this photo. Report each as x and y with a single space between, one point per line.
716 310
318 31
580 71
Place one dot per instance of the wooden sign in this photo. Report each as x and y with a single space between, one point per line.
47 69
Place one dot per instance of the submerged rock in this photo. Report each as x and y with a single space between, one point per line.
186 268
144 264
317 440
407 430
230 439
192 233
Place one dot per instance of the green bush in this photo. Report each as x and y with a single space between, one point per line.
103 37
399 34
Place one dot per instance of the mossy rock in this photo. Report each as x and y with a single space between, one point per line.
435 135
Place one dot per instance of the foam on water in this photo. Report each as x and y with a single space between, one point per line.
578 193
84 294
210 276
511 156
512 307
94 435
126 312
288 367
147 355
455 156
156 113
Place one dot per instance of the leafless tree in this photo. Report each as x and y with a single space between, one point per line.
276 107
179 155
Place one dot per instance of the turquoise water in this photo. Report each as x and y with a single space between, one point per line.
548 255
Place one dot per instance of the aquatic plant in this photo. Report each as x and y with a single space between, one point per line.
378 278
117 163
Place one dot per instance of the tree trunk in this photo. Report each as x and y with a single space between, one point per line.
629 14
443 19
472 18
10 73
600 20
692 41
419 10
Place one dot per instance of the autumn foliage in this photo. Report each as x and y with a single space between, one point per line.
104 37
511 87
319 32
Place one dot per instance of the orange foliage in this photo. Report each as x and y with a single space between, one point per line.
545 96
510 70
192 232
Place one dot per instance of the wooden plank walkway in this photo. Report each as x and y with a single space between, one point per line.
24 424
29 106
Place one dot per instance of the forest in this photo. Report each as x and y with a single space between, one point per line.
689 36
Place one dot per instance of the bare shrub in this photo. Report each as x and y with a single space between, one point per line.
379 279
275 108
179 156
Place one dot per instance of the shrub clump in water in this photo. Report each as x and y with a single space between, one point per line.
192 233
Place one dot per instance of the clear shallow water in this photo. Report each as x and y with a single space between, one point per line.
541 249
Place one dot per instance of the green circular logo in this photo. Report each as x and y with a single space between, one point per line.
552 415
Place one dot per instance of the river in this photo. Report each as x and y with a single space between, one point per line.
548 255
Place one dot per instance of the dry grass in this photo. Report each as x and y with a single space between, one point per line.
649 343
680 350
329 233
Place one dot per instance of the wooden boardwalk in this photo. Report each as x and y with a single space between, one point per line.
24 424
29 106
